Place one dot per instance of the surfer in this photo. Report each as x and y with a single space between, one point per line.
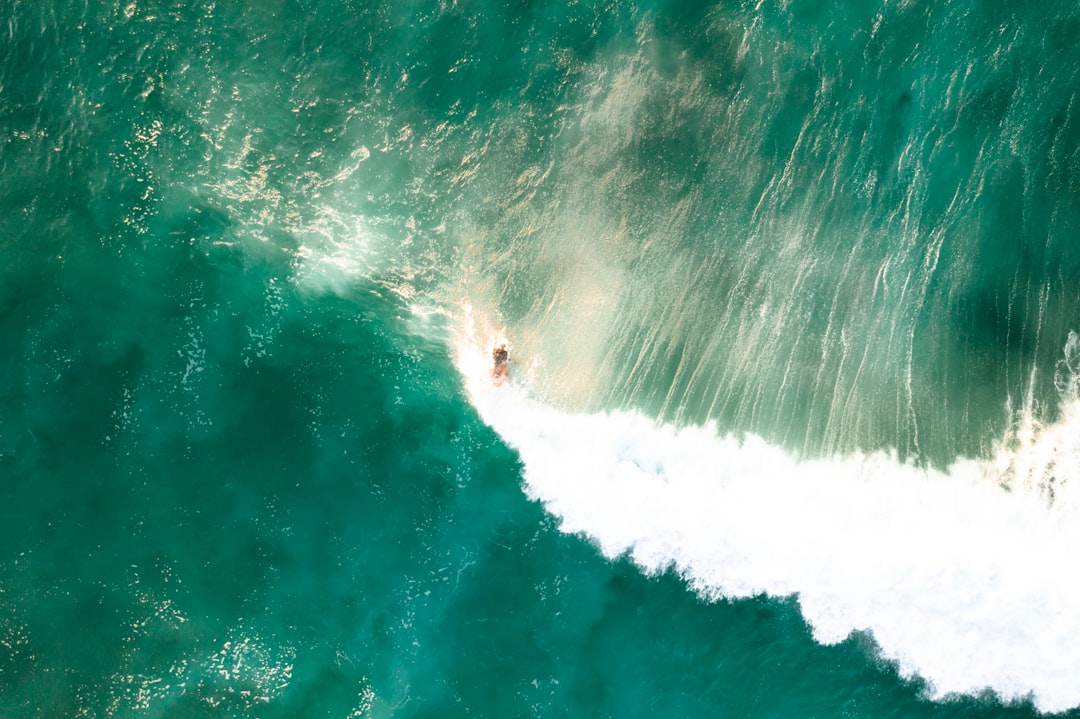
501 356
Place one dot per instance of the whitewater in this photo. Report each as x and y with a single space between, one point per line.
961 575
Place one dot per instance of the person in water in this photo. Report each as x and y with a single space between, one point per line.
501 356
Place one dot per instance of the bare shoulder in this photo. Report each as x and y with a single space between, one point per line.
501 364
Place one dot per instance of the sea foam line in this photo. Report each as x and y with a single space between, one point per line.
960 582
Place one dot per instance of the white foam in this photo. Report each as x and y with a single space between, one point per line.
960 582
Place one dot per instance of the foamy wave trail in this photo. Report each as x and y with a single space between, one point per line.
960 582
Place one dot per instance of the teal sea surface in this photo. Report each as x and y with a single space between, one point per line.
791 291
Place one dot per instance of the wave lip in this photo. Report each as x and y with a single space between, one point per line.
960 582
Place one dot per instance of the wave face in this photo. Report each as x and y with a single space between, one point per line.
839 229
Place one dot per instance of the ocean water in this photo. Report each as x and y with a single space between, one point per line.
791 291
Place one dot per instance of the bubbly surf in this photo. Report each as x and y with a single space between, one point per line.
959 582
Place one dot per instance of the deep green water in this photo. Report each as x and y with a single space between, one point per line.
241 472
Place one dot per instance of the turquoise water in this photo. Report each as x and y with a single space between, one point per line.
791 292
